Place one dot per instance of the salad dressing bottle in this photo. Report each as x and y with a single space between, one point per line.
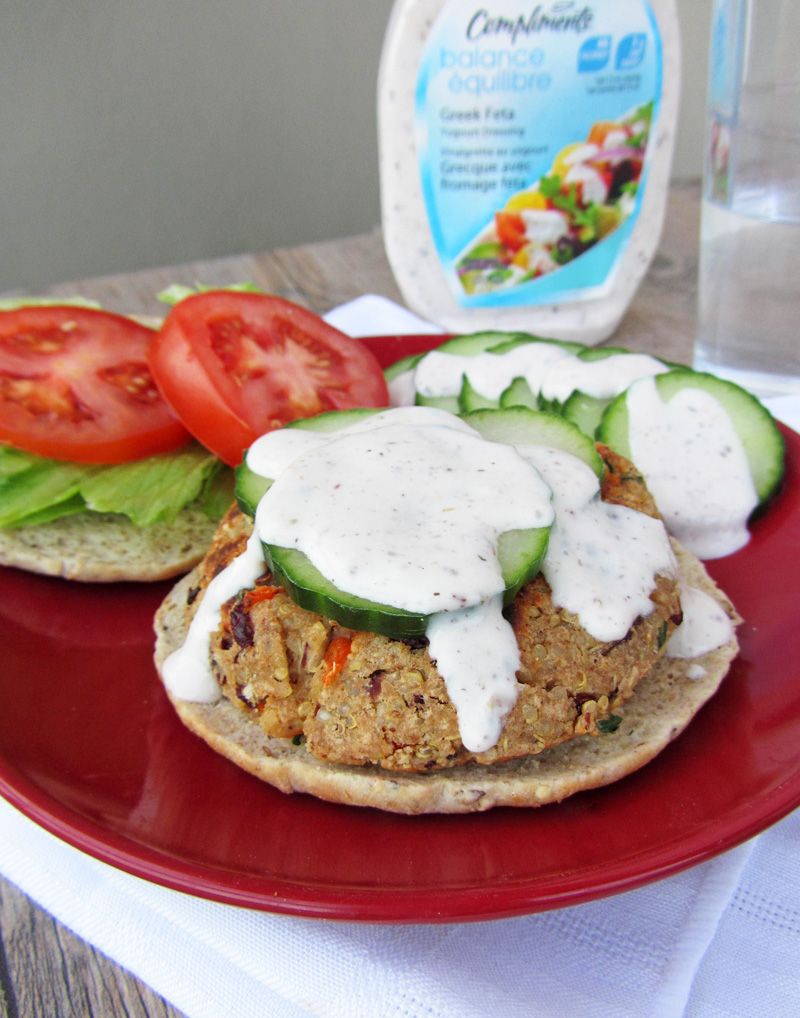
525 152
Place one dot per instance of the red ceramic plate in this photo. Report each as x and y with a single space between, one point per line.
91 750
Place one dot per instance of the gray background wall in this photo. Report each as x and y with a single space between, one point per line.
136 133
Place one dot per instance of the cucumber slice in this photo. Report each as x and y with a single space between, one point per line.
494 343
585 412
762 441
477 342
470 399
520 553
521 426
600 353
333 420
307 587
400 367
471 345
575 348
519 393
614 428
250 488
449 403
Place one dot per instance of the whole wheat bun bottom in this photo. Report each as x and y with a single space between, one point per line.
662 706
106 548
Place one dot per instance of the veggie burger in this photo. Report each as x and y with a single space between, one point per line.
116 439
425 612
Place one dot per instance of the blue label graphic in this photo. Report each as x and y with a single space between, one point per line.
631 51
594 54
532 131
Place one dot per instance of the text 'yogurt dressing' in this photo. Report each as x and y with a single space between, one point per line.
695 466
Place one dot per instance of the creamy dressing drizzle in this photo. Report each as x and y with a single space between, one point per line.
187 671
404 515
602 559
705 625
477 654
402 391
547 368
405 508
695 467
440 374
603 379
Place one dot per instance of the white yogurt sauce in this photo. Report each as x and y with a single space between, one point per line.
477 653
602 559
411 518
187 671
603 378
441 374
695 467
402 514
402 389
414 502
548 369
705 625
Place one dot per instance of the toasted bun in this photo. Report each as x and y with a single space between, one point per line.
104 548
664 703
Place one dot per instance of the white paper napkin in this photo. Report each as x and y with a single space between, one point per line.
371 315
722 939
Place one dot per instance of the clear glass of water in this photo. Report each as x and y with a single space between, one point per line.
749 282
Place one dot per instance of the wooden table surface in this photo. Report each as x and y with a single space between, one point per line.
44 969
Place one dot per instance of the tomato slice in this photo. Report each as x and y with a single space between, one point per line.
235 365
75 385
601 130
510 230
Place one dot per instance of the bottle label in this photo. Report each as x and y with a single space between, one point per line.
533 127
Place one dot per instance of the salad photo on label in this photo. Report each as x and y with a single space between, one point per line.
590 191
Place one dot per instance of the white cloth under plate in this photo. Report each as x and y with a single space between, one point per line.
719 941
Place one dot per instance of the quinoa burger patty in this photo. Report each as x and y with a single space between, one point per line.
382 731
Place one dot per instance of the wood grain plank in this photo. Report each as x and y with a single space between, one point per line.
45 970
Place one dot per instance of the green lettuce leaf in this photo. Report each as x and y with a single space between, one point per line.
15 303
45 484
177 292
14 461
35 490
